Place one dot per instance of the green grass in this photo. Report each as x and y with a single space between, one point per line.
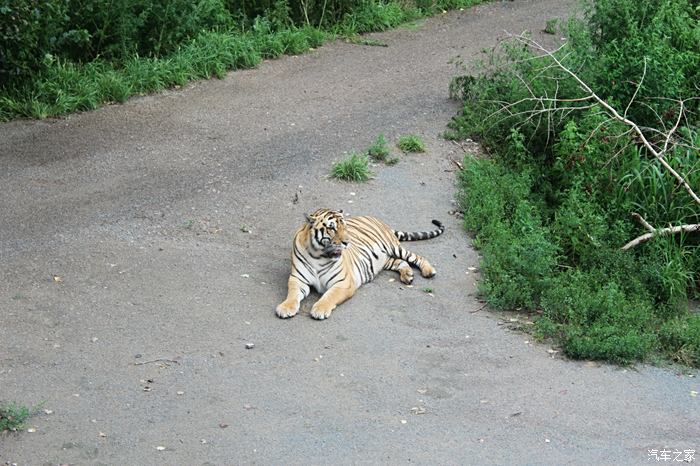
60 86
551 26
354 168
13 416
379 150
411 143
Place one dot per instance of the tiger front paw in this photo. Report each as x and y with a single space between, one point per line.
428 271
286 310
320 311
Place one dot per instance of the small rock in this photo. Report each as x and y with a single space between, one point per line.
418 410
249 345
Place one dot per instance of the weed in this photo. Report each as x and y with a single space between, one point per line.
428 290
13 416
354 168
379 150
411 143
551 26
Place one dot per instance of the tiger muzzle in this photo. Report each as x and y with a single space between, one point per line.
334 250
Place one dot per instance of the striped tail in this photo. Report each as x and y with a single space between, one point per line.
420 235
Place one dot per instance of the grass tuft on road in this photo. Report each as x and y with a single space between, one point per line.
13 416
354 168
411 143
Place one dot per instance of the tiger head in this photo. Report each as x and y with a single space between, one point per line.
328 232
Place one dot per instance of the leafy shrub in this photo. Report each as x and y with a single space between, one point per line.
29 30
623 33
552 205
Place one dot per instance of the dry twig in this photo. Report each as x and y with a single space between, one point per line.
156 360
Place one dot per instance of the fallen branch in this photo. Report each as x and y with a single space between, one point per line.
693 228
644 223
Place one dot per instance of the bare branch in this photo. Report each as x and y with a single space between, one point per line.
658 154
644 73
675 127
644 223
662 232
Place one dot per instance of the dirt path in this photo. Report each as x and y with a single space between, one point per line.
139 209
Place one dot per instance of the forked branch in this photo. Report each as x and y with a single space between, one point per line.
667 138
658 153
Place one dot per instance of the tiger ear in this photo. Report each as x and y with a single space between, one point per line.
309 219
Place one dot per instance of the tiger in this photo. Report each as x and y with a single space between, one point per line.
336 255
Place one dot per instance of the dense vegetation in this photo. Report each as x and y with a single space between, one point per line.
58 56
551 204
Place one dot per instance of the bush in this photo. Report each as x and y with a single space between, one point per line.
29 30
552 205
624 32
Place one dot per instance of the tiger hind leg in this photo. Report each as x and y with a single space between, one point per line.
426 270
402 267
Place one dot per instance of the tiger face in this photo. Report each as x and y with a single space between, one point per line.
328 233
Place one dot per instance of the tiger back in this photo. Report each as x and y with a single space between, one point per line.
335 256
